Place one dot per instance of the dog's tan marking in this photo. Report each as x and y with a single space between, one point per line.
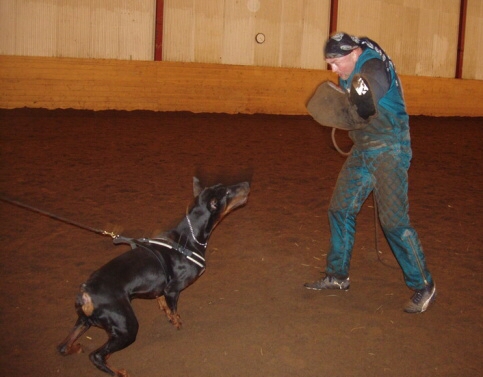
174 318
87 305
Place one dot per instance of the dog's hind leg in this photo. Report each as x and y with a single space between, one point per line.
122 329
171 313
68 346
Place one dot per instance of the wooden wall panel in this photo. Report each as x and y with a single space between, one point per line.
421 36
268 20
27 28
223 31
220 88
161 86
178 30
209 21
316 30
473 50
238 32
291 33
115 29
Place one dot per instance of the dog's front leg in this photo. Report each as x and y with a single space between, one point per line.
168 304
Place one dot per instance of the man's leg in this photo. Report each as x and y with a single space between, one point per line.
352 188
392 202
354 185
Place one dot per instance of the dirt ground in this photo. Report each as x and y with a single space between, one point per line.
248 315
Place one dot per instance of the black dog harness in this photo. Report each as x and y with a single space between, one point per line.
189 254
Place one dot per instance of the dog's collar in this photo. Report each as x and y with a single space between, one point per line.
193 234
189 254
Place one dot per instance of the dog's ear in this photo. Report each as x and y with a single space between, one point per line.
196 187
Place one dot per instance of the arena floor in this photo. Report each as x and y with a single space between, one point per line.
249 314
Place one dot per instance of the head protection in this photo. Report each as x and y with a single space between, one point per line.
339 45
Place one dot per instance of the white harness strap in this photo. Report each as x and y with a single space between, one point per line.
192 256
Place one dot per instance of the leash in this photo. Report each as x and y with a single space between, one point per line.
59 218
117 239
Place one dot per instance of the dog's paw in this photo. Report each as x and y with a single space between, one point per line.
66 349
122 373
176 321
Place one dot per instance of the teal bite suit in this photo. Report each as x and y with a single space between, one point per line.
379 163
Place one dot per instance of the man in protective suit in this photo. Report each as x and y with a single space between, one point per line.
369 104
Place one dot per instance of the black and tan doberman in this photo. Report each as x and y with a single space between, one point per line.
155 268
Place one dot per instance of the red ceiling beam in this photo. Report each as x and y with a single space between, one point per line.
334 9
461 39
158 31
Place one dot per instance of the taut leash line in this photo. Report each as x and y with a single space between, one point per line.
59 218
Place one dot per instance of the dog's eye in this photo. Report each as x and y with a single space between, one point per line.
213 204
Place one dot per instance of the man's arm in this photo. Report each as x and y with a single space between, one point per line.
368 87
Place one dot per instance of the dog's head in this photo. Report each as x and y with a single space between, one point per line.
220 200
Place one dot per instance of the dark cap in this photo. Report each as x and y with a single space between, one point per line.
340 44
